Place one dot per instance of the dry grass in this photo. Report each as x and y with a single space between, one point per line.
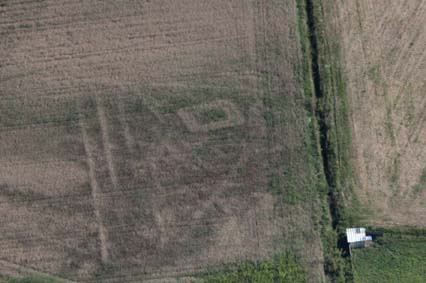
383 47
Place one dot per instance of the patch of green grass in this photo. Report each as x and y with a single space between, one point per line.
14 194
420 186
394 259
284 268
19 112
409 105
28 279
288 188
389 124
105 271
394 174
207 116
25 26
373 73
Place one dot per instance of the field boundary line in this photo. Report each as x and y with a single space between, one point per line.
95 193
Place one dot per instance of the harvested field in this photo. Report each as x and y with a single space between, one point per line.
145 140
384 60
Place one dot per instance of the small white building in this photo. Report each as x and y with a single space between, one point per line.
357 237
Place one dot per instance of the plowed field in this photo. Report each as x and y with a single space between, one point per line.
144 140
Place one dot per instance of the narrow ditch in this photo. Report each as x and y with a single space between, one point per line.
322 115
324 120
320 112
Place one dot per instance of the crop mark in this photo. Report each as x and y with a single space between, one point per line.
417 128
129 139
95 192
103 122
153 106
223 114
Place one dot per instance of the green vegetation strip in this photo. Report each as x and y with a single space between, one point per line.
395 258
323 83
333 107
284 268
28 279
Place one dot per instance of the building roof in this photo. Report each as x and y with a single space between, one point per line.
357 235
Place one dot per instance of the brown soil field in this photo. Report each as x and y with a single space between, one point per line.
133 139
385 66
